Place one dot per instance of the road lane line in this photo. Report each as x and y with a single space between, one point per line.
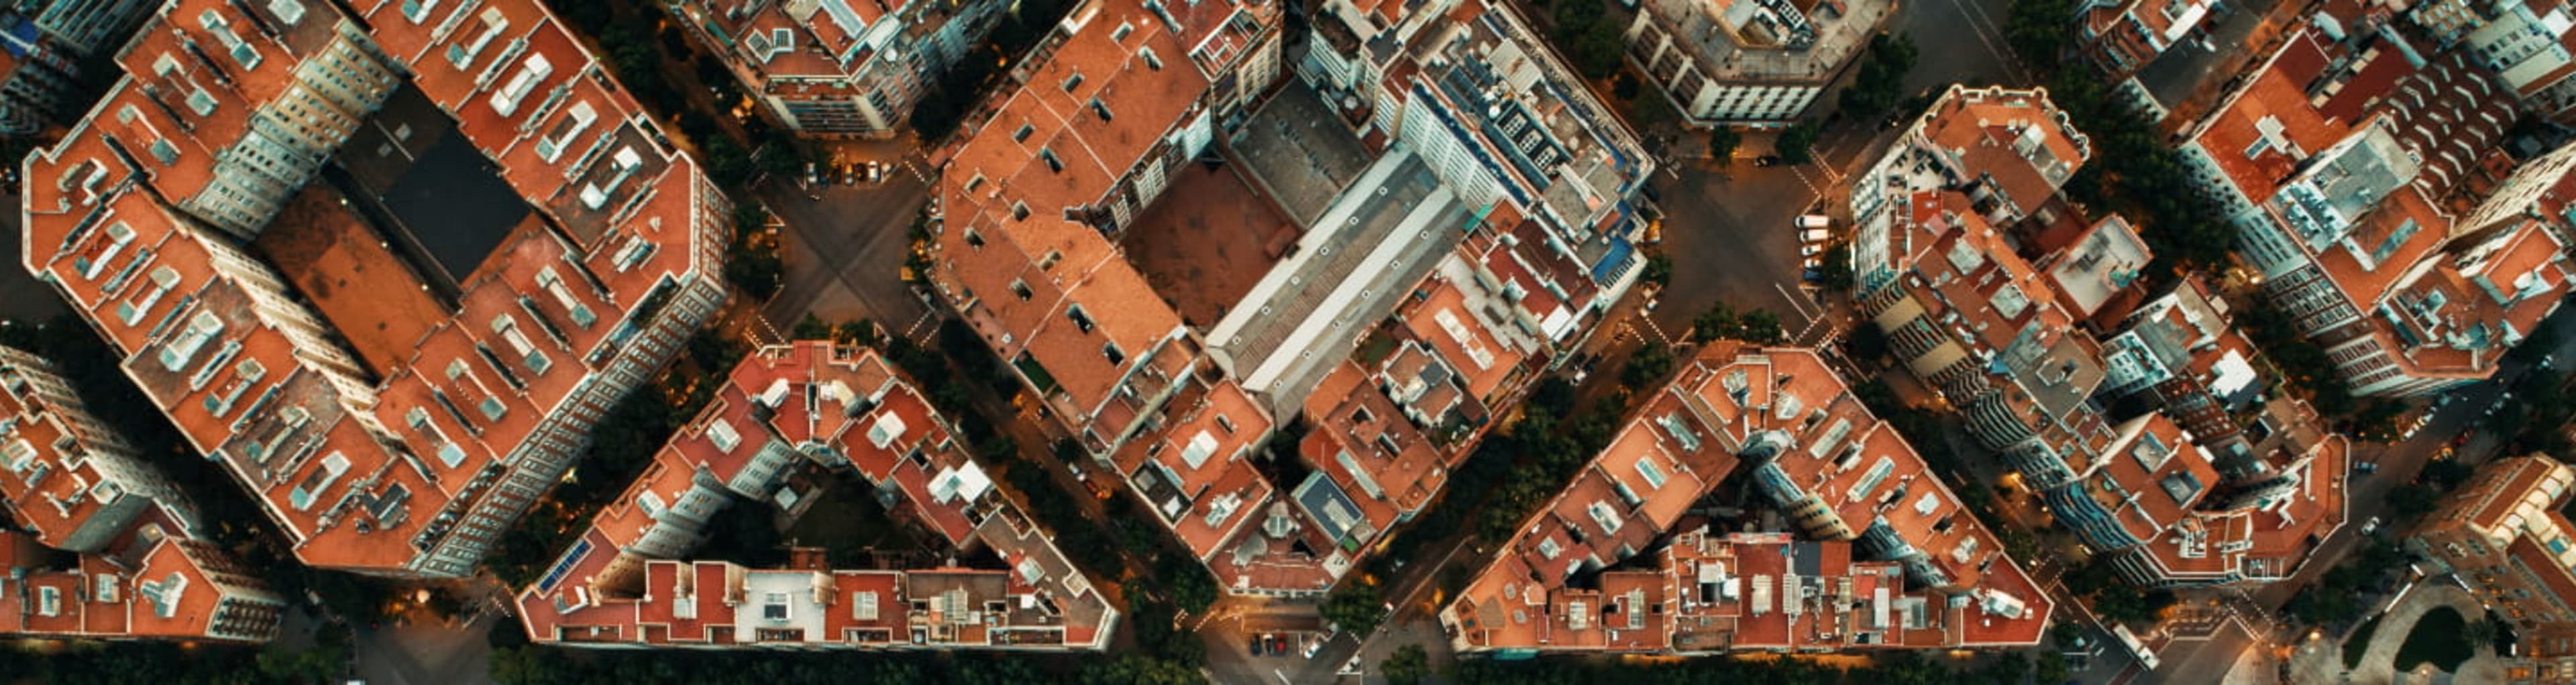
1978 25
1796 305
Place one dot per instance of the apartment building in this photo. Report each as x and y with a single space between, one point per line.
1876 522
2122 36
1468 263
44 48
2349 163
2280 492
2524 44
146 587
1483 100
1749 62
71 478
785 408
396 423
90 27
112 546
2504 535
838 67
2006 152
1986 329
2183 353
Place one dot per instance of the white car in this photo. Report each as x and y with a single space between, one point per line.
1810 250
1814 235
2371 526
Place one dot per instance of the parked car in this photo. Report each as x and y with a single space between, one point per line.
1810 250
1814 236
2366 468
876 172
2371 526
1257 642
1813 276
1766 160
1814 221
1279 644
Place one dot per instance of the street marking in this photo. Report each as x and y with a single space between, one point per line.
1796 304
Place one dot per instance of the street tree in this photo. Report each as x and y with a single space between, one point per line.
1407 666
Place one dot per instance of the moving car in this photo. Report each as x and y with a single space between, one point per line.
1766 160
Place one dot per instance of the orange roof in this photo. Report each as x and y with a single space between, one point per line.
459 390
1728 397
782 404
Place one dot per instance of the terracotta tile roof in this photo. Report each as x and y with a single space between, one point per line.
2016 141
632 215
171 588
791 403
1727 400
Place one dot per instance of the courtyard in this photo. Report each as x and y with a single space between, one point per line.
1205 243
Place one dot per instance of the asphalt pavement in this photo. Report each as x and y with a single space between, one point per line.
845 247
22 297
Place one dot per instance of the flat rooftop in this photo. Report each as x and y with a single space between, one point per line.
372 296
1207 241
1301 152
433 193
1383 235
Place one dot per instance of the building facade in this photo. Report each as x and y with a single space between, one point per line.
838 67
1749 62
783 409
399 424
71 478
113 549
2502 534
2375 194
1888 557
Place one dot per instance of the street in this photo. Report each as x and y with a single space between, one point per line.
1727 227
23 298
845 251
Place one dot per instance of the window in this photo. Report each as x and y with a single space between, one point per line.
774 608
1074 82
974 240
975 183
1048 261
1021 288
1151 61
1022 135
1115 355
1101 109
1120 35
1048 154
1019 211
1080 319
